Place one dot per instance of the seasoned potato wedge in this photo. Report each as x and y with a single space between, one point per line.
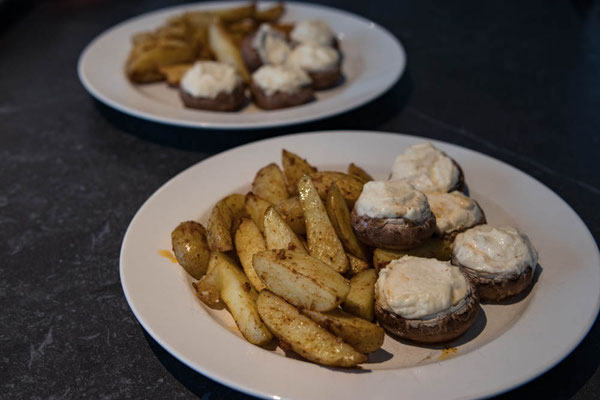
145 60
239 296
364 336
221 219
361 299
323 242
303 335
357 171
278 235
292 213
270 14
191 248
356 265
256 207
350 186
432 248
294 168
225 49
235 13
269 184
174 73
340 219
208 289
249 241
301 279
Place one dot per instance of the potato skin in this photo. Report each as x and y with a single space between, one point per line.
191 248
436 330
391 233
500 287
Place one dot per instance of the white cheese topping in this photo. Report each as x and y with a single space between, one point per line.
494 250
453 211
312 57
312 31
393 199
279 78
417 288
270 45
209 78
426 168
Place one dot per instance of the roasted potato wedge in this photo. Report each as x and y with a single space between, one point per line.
364 336
301 279
339 215
236 13
143 63
278 235
190 247
208 289
225 49
292 213
303 335
323 242
174 73
270 14
358 172
294 168
361 299
239 296
221 219
269 184
249 241
356 265
433 247
256 207
349 185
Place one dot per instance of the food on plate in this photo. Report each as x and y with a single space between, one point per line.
322 63
364 336
280 86
221 222
256 207
248 242
208 288
428 169
190 247
360 173
174 73
424 300
294 167
225 50
269 184
454 212
434 247
300 279
313 31
355 265
304 336
211 85
360 300
392 215
499 261
267 45
323 243
292 213
278 234
349 185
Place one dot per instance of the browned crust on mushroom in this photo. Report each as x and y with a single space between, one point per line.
326 79
499 287
222 102
280 99
250 54
442 328
391 233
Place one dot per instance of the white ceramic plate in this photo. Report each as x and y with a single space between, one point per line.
508 345
373 62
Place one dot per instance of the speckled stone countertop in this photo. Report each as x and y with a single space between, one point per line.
519 81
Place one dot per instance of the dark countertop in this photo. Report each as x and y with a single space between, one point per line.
519 81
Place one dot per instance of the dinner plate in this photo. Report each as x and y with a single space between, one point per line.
509 344
373 62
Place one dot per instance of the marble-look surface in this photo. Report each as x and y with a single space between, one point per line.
519 81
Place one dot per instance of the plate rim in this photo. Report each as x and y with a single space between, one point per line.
88 85
231 382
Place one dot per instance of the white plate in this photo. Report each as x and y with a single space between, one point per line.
517 342
373 62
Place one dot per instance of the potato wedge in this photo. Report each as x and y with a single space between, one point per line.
301 279
239 296
249 241
339 215
432 248
235 13
225 49
237 203
190 247
356 265
143 63
349 185
270 14
220 222
323 242
269 184
358 172
278 235
364 336
256 207
292 213
361 299
208 289
174 73
294 168
303 335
